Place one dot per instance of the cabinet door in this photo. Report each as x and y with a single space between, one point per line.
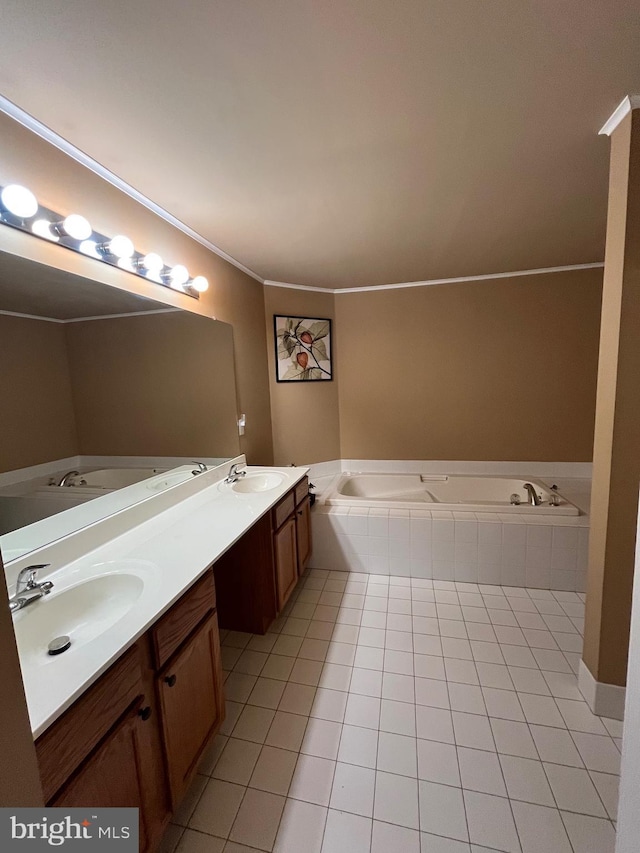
303 532
190 690
115 775
286 559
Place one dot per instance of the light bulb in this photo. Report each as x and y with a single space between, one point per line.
42 228
200 284
152 275
153 262
19 201
120 246
90 247
125 264
77 227
179 275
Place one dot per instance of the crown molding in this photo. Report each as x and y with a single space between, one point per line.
433 281
290 286
62 144
630 102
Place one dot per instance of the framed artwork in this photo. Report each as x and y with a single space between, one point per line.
303 348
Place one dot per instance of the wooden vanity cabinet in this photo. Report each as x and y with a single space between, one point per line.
257 575
186 645
303 532
285 550
191 702
106 749
118 774
291 539
135 737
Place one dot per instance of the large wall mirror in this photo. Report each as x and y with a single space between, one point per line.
105 396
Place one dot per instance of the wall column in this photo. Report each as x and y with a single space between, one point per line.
616 453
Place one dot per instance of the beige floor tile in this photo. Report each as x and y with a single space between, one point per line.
257 822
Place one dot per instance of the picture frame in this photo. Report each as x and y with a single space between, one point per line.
302 348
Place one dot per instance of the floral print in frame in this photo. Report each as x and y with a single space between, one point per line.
303 348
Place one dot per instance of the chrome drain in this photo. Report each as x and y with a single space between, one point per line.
59 645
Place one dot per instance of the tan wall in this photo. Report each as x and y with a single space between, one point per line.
305 416
35 389
160 385
492 370
63 185
616 459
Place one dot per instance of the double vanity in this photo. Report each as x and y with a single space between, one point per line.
123 714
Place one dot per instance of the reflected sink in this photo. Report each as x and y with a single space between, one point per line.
81 612
169 480
258 482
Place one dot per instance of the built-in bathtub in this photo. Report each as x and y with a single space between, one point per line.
445 492
424 520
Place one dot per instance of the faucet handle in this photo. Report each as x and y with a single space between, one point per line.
27 576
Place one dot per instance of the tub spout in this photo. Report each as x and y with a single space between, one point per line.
534 499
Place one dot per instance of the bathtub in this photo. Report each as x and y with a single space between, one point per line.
442 492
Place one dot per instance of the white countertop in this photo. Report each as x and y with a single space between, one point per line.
169 552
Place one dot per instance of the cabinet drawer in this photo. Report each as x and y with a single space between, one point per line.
302 490
70 739
283 510
176 625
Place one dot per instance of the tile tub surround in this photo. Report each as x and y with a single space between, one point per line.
490 548
389 713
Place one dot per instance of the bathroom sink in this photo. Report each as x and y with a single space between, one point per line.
81 612
258 482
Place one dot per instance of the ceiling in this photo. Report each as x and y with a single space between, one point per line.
37 290
343 144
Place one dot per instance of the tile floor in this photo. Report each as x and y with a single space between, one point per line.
386 713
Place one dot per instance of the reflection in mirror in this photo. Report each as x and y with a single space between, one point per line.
103 393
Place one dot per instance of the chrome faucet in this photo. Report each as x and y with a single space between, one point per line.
64 480
28 589
234 473
534 499
201 468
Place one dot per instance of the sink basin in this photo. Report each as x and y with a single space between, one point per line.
258 482
169 480
81 612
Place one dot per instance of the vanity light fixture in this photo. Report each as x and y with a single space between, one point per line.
19 201
152 262
90 248
42 228
118 246
74 226
178 276
199 283
19 208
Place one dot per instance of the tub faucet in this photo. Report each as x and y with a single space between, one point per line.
534 500
28 589
64 480
201 468
235 474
